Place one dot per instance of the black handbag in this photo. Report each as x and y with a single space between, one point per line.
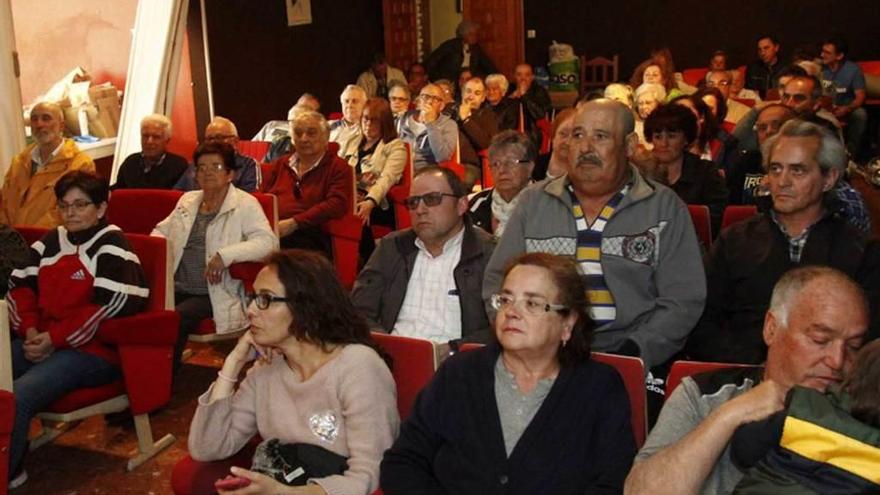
295 463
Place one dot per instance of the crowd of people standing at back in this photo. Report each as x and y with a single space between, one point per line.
589 247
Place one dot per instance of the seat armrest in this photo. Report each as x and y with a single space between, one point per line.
246 271
157 328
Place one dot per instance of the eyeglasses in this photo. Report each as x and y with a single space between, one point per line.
713 84
430 199
507 165
398 99
534 306
430 98
263 300
215 167
78 205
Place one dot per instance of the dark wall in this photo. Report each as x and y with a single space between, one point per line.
260 66
693 29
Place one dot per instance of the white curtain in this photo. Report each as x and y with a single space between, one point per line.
11 125
153 67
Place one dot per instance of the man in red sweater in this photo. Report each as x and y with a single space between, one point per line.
313 185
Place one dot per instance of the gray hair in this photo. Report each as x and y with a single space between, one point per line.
51 107
727 73
464 27
311 115
160 120
793 283
353 87
624 88
298 109
654 89
401 86
498 79
514 140
831 154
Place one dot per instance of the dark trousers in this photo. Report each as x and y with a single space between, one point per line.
311 238
192 309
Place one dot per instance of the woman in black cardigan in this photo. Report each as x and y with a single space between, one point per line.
530 413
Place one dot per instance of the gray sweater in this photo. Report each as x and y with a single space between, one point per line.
650 259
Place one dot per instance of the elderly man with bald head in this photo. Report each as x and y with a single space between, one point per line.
153 167
27 197
632 238
247 173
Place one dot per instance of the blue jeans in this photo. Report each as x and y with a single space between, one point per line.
36 385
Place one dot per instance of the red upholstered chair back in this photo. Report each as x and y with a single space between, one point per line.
254 149
681 369
737 213
694 76
487 180
269 203
412 369
546 129
400 192
632 370
137 211
702 224
153 255
31 234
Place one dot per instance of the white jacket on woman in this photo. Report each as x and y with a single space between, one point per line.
239 232
386 163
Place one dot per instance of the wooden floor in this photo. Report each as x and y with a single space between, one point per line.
91 457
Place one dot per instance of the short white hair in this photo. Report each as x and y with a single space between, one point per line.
353 87
498 79
653 89
160 120
793 283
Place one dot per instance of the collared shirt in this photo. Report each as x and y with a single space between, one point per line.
795 244
348 136
37 159
294 162
149 164
431 309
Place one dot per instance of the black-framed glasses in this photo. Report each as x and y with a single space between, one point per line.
430 98
534 306
77 206
263 300
430 199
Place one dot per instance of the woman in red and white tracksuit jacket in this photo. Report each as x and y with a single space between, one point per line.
78 275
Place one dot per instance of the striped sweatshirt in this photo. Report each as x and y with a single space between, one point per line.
73 281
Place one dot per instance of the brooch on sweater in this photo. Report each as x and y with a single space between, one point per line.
325 425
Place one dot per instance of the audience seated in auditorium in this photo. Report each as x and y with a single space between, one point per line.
416 77
722 80
646 289
744 180
447 90
721 146
562 422
378 165
844 420
506 112
671 129
247 174
282 145
556 163
476 121
718 60
804 161
462 51
464 75
620 92
738 89
276 129
814 326
654 72
431 134
14 253
321 389
313 185
849 86
378 79
425 282
26 197
762 74
209 229
511 162
707 127
647 97
346 132
78 275
533 100
400 99
153 167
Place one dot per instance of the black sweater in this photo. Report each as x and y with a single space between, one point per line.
580 440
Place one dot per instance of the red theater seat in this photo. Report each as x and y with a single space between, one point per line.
681 369
702 224
737 213
413 367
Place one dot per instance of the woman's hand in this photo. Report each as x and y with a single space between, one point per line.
246 350
214 269
363 210
286 227
262 484
38 348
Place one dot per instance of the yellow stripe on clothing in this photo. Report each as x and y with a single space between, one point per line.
600 297
588 253
823 445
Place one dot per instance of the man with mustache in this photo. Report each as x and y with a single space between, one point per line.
27 197
632 238
803 162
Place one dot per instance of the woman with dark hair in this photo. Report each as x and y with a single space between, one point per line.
671 129
321 387
529 413
210 229
706 125
77 276
722 145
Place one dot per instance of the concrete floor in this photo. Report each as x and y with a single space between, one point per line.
90 458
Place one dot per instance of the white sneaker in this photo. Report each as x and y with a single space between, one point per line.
18 480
